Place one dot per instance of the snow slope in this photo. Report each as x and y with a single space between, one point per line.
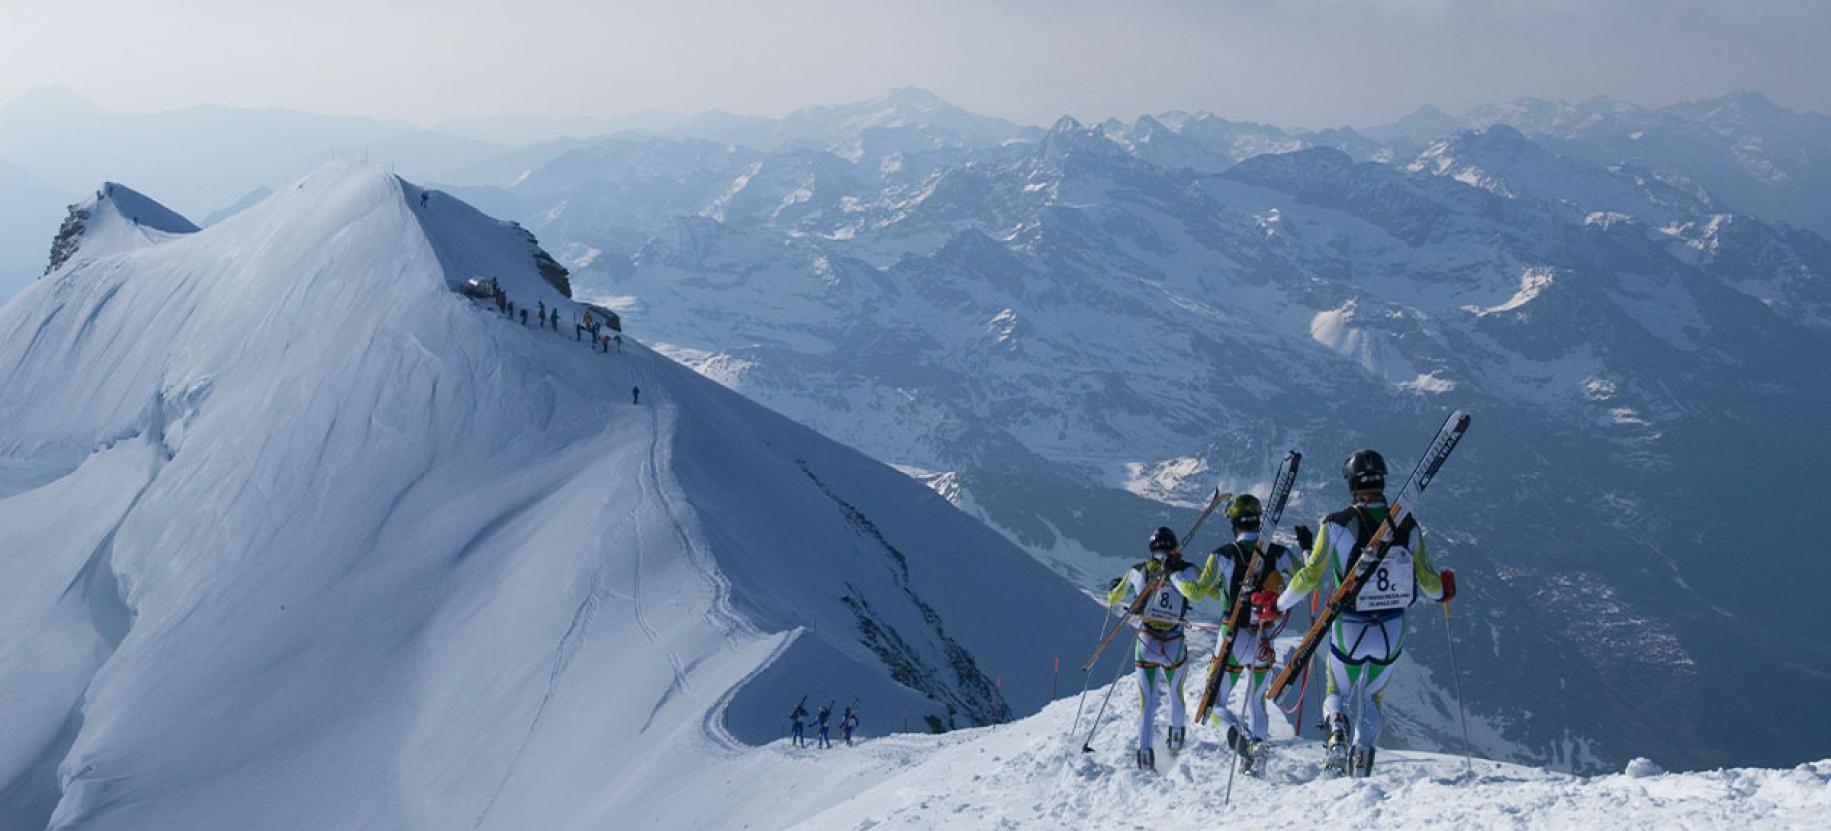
1032 775
292 535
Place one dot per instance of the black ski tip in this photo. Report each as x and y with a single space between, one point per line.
1087 748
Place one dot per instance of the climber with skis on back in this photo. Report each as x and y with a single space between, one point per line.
1161 652
1370 631
799 720
823 718
1224 576
847 724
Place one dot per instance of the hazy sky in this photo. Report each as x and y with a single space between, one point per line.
1294 62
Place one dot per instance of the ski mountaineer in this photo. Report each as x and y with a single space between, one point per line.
799 718
1370 632
826 715
1161 649
1222 577
847 725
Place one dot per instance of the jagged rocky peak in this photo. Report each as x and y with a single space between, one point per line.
63 246
550 270
1070 138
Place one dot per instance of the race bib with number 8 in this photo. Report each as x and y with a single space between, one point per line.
1389 586
1166 604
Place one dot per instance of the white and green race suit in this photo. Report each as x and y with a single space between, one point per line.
1369 634
1162 653
1221 575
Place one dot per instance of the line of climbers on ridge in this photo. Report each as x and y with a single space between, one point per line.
601 341
798 723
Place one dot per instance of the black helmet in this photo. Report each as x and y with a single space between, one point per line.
1365 470
1163 539
1245 512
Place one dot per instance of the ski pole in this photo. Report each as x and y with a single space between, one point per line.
1462 714
1245 698
1088 746
1087 676
1245 673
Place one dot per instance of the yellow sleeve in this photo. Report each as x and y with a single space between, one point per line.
1191 589
1306 579
1209 580
1118 593
1429 583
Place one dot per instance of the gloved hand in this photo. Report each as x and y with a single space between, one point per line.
1305 540
1266 604
1449 585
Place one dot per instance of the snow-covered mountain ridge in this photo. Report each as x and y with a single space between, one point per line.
292 534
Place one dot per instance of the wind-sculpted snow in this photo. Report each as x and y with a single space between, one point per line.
294 535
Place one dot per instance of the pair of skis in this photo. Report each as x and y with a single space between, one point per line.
1375 550
1236 614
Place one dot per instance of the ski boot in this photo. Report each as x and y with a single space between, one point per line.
1335 754
1363 762
1147 759
1174 742
1251 758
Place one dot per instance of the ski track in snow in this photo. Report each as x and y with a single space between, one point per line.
648 630
562 658
719 613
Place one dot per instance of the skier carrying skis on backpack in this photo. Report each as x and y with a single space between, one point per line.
1224 575
1161 652
825 715
848 724
1370 632
799 719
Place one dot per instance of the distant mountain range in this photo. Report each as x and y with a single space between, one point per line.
1064 332
1758 157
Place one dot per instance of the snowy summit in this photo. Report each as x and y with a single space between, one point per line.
292 533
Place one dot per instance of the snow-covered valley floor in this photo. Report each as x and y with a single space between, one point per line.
1030 774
